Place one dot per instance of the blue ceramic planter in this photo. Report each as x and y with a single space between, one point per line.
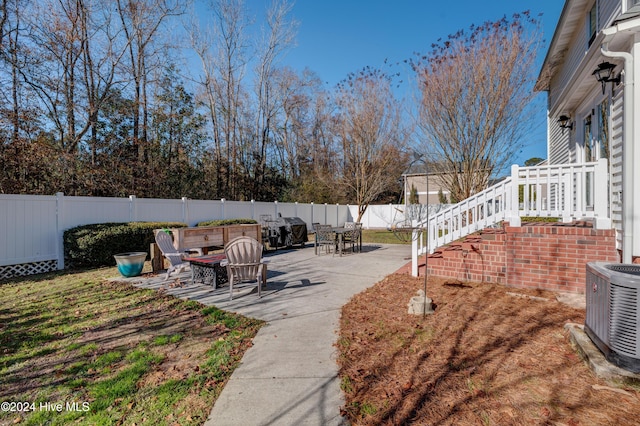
130 264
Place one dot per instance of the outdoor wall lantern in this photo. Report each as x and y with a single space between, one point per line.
565 122
604 74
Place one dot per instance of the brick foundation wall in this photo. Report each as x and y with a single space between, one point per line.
546 256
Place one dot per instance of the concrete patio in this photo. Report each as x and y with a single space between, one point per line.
290 375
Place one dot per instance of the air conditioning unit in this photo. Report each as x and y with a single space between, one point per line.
613 312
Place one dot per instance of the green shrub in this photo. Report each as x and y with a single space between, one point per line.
223 222
95 245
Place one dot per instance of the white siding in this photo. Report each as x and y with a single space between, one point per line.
608 10
559 144
572 59
615 168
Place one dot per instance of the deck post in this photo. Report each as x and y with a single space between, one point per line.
513 215
601 188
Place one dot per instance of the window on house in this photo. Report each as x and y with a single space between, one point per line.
589 155
632 3
592 23
589 142
602 113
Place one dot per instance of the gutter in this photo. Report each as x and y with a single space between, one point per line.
628 152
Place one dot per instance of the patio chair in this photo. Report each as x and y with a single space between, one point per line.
165 244
325 237
359 235
350 236
244 262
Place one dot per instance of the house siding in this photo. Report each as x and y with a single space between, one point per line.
615 164
559 150
608 11
566 74
573 57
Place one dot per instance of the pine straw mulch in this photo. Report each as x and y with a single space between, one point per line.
489 355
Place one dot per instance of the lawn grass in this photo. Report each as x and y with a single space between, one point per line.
384 236
77 348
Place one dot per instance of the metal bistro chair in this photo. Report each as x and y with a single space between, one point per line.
359 235
325 237
314 230
350 236
244 262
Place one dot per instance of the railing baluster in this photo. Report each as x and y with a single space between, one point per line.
550 191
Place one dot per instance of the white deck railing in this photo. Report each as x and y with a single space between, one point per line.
566 191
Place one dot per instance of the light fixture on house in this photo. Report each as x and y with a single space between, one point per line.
604 74
565 122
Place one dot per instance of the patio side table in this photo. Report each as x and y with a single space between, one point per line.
207 269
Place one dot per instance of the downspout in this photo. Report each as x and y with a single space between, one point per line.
627 146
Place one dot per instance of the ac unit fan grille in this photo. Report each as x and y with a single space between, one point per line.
623 320
627 269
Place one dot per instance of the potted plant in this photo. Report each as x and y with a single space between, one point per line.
130 264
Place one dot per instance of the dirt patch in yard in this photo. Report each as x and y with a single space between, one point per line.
489 355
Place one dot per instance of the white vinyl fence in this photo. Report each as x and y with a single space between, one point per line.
32 226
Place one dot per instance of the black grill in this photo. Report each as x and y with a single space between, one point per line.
286 232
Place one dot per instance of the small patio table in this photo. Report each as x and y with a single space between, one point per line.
340 240
207 269
339 231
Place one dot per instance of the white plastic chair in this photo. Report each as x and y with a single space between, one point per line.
244 262
165 244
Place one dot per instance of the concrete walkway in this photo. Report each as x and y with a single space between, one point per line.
290 375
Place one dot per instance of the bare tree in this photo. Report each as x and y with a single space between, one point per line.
9 54
222 49
372 138
54 72
64 66
202 40
4 16
278 36
475 92
141 22
292 135
101 57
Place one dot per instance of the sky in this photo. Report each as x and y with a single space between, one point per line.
338 37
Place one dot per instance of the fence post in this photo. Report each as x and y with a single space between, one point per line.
133 214
312 221
222 214
514 213
253 209
414 249
185 211
60 229
275 209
